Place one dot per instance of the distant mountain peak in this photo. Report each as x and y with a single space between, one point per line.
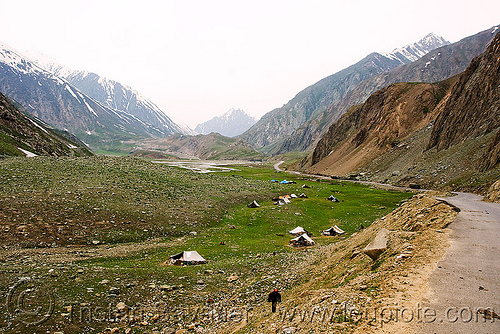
232 123
415 51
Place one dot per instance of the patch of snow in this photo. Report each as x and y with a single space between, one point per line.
68 88
90 108
28 153
89 133
38 125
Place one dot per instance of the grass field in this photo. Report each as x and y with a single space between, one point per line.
126 202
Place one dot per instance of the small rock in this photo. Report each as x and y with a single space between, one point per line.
355 253
167 330
104 281
208 272
363 287
232 278
114 291
121 306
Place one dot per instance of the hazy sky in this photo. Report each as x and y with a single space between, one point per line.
196 59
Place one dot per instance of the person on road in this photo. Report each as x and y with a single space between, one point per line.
274 298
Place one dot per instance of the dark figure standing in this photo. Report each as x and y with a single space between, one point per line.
274 298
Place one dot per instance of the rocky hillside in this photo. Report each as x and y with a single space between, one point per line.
276 125
23 135
473 109
230 124
209 147
437 65
365 131
62 105
393 136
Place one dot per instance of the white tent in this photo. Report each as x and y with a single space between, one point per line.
254 204
332 231
187 257
297 231
302 241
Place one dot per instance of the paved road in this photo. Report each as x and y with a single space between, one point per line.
468 277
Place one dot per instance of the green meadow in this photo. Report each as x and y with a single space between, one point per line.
125 203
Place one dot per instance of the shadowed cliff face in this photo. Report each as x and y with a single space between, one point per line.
473 108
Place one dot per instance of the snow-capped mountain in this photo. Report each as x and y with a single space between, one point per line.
112 94
415 51
275 126
59 103
232 123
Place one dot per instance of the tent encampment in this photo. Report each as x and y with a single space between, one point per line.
333 231
187 257
302 241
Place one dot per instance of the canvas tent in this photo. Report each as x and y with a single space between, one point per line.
333 198
298 231
302 241
187 257
254 204
333 231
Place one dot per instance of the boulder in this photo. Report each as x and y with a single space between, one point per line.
378 245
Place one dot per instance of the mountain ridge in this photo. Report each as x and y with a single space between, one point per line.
444 134
437 65
24 135
112 94
276 125
230 124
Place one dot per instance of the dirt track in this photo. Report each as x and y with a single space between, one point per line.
467 278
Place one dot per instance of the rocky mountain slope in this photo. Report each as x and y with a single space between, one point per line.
437 65
230 124
111 94
23 135
276 125
62 105
209 147
440 135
